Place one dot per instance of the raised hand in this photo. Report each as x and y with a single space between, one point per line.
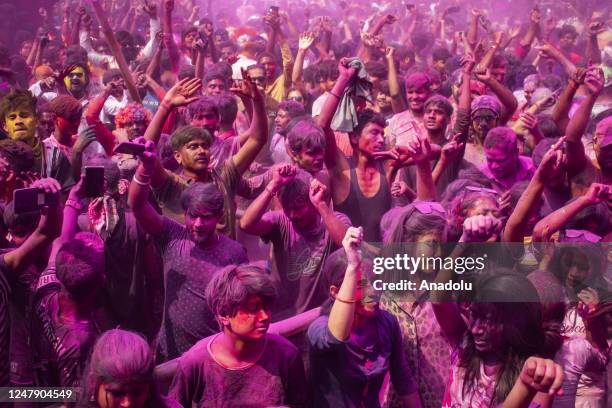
589 299
246 89
150 9
542 375
419 148
535 16
553 162
594 81
514 32
467 63
480 228
283 174
306 40
183 92
390 19
352 245
598 193
345 70
452 150
483 75
318 193
149 156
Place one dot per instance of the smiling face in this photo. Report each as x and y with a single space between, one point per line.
416 98
20 124
270 67
76 80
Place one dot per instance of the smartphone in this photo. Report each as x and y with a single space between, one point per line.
453 9
135 149
27 200
94 181
274 10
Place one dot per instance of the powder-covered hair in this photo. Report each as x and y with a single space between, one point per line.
231 287
202 196
120 356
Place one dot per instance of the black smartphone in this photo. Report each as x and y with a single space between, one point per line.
274 10
94 181
28 200
135 149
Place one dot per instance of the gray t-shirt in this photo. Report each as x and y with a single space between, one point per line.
187 270
299 258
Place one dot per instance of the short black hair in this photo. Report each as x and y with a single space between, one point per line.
186 134
203 196
368 116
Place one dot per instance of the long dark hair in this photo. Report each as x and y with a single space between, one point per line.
514 304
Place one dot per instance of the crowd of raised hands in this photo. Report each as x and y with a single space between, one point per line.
307 203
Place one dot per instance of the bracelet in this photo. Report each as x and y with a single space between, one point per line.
74 204
350 302
142 183
331 93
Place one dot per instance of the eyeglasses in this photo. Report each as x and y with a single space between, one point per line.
572 235
296 98
259 79
481 190
484 118
428 207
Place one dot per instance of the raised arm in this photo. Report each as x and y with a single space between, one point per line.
92 116
398 103
253 220
553 222
116 50
334 158
577 125
550 51
319 197
420 150
551 166
488 57
505 96
530 34
305 41
343 310
48 228
258 130
472 34
138 193
560 112
173 52
593 53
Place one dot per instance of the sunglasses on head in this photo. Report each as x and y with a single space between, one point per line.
429 207
482 190
572 235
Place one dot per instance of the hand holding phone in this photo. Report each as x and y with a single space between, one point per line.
135 149
94 181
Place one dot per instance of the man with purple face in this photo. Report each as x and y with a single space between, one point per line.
191 254
504 166
401 125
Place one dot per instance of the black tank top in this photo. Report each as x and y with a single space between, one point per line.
365 211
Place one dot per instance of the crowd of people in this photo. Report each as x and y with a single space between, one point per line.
203 203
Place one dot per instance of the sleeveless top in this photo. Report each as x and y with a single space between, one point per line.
365 211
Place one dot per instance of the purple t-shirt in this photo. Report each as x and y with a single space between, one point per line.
187 270
346 375
277 378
